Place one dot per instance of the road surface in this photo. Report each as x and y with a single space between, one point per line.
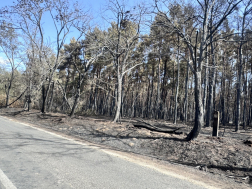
31 158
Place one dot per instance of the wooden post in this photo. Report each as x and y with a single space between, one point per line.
215 123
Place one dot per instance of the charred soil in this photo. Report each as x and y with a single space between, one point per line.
229 155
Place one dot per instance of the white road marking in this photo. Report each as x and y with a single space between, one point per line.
5 182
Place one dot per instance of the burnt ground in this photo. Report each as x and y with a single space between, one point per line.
229 155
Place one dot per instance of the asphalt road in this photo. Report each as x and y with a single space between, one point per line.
32 158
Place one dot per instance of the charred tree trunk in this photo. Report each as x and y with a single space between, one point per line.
245 101
8 88
51 100
210 99
186 92
43 98
177 88
158 90
223 93
151 95
205 83
46 94
238 93
211 86
77 95
198 109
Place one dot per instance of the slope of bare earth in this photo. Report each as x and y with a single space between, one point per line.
227 156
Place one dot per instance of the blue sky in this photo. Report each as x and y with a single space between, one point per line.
97 9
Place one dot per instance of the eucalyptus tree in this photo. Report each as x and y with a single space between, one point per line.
197 49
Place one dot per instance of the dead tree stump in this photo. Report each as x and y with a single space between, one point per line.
215 123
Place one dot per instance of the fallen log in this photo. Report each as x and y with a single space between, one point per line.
248 142
143 124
